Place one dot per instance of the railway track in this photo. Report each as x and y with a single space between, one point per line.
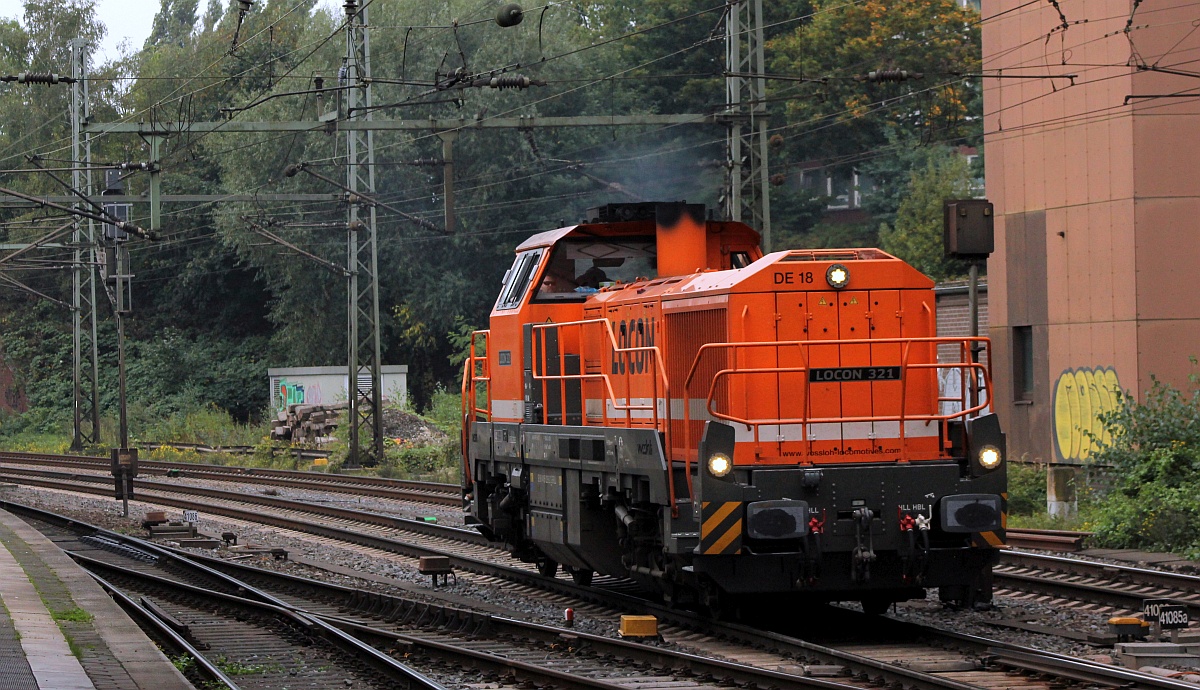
252 641
1046 539
442 640
377 487
956 667
1121 588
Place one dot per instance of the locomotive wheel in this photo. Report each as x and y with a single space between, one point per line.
582 576
547 567
711 601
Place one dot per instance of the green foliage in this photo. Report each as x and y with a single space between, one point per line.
1167 419
838 115
183 663
173 23
74 614
207 425
407 460
232 667
462 339
796 216
217 304
1154 502
916 236
445 411
1026 489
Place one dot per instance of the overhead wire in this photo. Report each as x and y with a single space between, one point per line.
596 81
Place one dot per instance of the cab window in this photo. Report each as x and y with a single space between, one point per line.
517 279
584 265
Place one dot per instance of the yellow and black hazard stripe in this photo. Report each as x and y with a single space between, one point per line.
992 540
987 540
721 527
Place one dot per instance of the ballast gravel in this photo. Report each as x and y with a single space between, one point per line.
394 574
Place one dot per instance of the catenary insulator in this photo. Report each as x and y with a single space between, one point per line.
42 78
509 15
510 81
891 75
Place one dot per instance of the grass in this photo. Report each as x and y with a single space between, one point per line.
210 426
34 442
74 614
184 663
237 668
1027 501
213 427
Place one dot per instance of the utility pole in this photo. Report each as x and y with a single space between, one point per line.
747 197
363 353
448 177
83 304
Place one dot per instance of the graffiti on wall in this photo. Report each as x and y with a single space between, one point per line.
1080 397
292 393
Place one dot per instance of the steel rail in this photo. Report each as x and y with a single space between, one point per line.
353 648
671 659
321 480
1045 539
1121 586
882 672
1084 671
166 632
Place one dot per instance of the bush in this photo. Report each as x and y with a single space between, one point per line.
1026 489
204 424
445 411
1156 515
1154 502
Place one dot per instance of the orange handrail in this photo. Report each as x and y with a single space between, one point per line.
470 406
965 365
610 394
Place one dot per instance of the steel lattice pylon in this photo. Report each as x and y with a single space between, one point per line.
747 197
363 383
83 302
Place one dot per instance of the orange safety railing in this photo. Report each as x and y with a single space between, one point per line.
975 379
654 368
476 371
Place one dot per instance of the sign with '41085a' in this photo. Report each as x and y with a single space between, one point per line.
1170 615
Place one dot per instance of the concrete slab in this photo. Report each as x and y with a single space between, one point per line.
141 659
43 644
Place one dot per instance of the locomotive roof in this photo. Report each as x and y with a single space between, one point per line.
546 239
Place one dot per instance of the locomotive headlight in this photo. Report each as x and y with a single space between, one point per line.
719 464
989 457
837 276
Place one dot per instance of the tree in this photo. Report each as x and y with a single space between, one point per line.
174 23
916 236
840 114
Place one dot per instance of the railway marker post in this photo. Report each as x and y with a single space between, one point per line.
968 234
124 469
1165 614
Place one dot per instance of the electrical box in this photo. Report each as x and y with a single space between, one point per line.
969 229
639 626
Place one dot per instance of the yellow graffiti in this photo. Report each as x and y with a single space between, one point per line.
1080 397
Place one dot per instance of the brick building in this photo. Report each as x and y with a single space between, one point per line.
953 314
1091 167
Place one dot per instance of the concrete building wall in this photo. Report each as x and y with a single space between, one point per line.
1097 202
327 385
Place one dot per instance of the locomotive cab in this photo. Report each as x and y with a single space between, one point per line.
657 400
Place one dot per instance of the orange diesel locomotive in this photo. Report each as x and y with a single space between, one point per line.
658 400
